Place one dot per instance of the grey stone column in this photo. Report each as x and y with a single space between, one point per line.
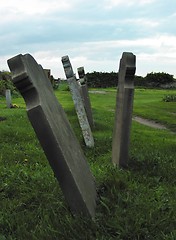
8 98
85 95
78 102
124 109
55 134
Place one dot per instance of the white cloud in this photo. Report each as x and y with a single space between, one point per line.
143 2
143 22
89 33
153 54
17 9
114 3
105 55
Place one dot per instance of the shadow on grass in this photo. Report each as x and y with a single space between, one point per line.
3 119
158 170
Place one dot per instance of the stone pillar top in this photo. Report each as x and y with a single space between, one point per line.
67 67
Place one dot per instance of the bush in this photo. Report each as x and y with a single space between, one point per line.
6 83
151 80
156 79
169 98
102 79
139 81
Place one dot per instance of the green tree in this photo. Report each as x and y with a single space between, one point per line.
102 79
139 81
157 79
6 82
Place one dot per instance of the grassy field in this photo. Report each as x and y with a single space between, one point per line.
137 203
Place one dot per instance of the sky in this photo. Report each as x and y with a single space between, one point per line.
94 34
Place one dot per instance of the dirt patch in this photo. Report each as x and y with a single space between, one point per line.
149 123
95 91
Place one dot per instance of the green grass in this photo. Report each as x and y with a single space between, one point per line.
133 204
149 104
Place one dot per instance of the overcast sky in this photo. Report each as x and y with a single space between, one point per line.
92 33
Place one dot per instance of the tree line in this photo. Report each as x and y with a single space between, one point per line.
104 80
153 80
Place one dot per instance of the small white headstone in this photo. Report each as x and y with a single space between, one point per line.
8 98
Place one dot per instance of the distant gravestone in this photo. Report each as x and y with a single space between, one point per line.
78 102
48 73
124 108
8 98
85 95
49 76
55 134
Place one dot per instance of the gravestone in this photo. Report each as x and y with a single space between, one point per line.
8 98
48 73
55 134
124 108
49 76
78 102
85 95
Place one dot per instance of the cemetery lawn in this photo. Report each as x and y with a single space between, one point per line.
136 203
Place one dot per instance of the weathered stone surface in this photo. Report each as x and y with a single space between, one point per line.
85 95
81 74
78 102
55 134
124 108
8 98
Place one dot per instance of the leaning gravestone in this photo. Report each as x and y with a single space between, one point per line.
78 102
85 95
124 108
55 134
